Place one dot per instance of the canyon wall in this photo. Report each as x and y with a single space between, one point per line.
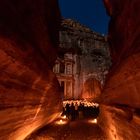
90 55
121 95
29 90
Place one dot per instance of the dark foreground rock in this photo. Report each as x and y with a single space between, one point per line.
29 91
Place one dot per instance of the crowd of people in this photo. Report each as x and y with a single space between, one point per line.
78 109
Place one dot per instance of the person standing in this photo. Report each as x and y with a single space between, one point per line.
67 110
76 111
72 112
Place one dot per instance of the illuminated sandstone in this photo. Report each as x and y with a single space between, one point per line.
122 91
29 91
92 89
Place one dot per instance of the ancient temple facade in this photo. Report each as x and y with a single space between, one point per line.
83 61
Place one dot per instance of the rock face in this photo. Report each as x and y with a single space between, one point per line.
91 89
124 41
29 91
122 90
87 54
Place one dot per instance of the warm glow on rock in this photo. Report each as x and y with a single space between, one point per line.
61 122
91 89
93 121
30 96
63 117
29 90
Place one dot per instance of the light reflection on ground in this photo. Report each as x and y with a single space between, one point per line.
94 121
70 130
82 127
61 122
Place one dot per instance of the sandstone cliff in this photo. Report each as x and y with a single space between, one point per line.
121 95
29 91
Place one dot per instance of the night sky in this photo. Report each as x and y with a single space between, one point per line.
91 13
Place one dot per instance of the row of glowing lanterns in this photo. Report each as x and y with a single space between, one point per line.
85 102
63 119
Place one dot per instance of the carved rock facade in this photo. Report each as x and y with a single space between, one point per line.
85 59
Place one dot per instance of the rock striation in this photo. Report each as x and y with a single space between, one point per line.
29 90
122 91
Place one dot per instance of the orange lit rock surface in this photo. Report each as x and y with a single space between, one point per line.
122 91
124 39
29 91
124 36
92 89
